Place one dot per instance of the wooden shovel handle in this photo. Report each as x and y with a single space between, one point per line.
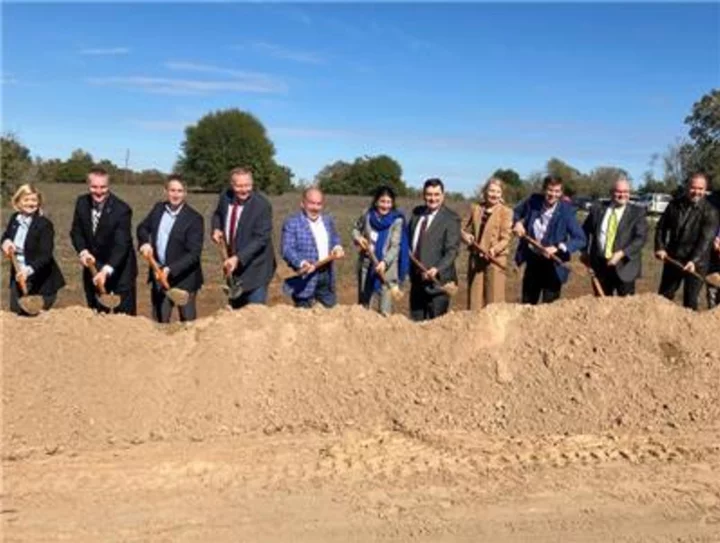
22 282
538 245
319 264
373 259
695 274
93 271
423 269
159 275
487 257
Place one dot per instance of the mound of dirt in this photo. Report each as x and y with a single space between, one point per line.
73 380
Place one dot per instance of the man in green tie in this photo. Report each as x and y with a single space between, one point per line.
617 233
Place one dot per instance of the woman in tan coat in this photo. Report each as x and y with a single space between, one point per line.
487 231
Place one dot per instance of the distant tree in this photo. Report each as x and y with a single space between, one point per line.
601 179
362 176
225 139
704 123
75 169
509 176
47 170
515 188
149 177
15 163
574 182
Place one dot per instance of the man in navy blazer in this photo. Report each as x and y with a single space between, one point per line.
551 222
243 221
173 233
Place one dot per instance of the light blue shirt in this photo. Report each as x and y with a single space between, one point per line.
166 224
19 240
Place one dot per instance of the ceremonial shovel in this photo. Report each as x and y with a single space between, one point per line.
32 305
595 281
233 287
395 291
487 257
319 264
177 296
110 301
449 288
712 280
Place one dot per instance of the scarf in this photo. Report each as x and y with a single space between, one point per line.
381 224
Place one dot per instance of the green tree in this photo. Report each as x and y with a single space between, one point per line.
574 181
225 139
601 179
704 123
15 163
362 176
75 169
509 176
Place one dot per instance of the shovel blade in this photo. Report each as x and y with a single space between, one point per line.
109 301
32 305
178 296
450 289
714 279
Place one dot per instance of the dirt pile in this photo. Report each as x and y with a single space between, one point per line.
75 381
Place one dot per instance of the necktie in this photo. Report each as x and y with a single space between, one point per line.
611 234
95 216
423 227
233 226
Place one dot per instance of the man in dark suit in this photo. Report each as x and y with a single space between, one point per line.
685 232
101 234
552 223
617 233
434 232
173 234
243 220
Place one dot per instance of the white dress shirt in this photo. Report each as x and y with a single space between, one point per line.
428 221
602 236
320 233
237 219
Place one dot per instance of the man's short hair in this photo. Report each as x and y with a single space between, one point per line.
698 173
551 181
175 177
98 170
312 188
241 170
434 182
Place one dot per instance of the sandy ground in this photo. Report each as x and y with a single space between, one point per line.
589 420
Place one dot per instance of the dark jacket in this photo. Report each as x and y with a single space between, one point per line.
253 238
183 253
563 228
112 243
47 278
686 231
440 245
630 239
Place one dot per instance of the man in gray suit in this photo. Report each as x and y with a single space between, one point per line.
617 233
435 240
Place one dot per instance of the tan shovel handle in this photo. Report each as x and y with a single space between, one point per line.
371 255
22 282
538 245
319 264
423 269
487 257
93 271
159 275
695 274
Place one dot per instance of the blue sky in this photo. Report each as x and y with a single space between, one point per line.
454 91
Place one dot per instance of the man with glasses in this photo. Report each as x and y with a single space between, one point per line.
616 232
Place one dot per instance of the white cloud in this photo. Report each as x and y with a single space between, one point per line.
278 51
106 51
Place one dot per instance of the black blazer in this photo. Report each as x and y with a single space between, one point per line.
183 253
440 244
253 238
630 238
686 231
112 243
47 278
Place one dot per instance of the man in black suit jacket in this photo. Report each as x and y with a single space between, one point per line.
617 233
435 241
173 234
101 234
685 233
243 221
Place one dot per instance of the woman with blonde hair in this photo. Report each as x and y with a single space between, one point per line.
487 230
30 236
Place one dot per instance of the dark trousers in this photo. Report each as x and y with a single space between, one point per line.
425 306
163 306
673 277
48 299
540 282
255 296
128 299
611 283
324 293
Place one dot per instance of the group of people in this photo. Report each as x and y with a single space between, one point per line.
392 248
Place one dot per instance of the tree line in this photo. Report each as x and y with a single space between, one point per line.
223 139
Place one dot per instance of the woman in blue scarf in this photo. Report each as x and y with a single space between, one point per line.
381 229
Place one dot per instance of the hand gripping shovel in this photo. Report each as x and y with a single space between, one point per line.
319 264
593 278
395 291
712 280
233 286
32 305
177 296
449 288
109 301
475 245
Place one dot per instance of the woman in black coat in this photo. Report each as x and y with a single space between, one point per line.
31 236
